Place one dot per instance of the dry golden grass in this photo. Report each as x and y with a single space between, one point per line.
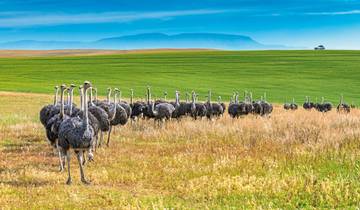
295 159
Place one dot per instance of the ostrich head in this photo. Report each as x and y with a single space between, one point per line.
209 96
108 94
62 89
131 96
165 95
219 99
116 93
87 85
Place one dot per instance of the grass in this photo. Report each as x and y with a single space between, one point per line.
292 160
282 74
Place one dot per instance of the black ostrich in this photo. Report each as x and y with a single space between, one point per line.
50 110
233 108
137 108
124 105
53 125
307 104
222 104
179 108
101 116
121 116
246 107
266 106
213 109
342 106
291 106
323 106
70 108
77 134
198 110
110 109
162 111
209 106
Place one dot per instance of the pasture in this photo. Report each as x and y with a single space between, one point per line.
300 159
293 159
282 74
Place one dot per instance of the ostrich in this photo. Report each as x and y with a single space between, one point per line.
50 110
137 108
120 117
162 111
77 134
53 124
222 104
197 109
209 106
287 106
70 108
267 107
124 105
213 109
293 105
307 104
323 106
180 109
246 106
110 109
234 106
101 116
342 106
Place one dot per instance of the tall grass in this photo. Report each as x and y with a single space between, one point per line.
301 159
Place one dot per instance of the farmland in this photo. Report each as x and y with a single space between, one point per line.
282 74
293 159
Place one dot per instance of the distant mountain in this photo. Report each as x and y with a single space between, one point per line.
151 41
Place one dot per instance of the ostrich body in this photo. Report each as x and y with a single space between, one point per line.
162 111
50 110
342 106
234 106
197 109
77 134
307 104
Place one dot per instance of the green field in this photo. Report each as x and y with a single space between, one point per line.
282 74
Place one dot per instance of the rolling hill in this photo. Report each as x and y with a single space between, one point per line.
150 41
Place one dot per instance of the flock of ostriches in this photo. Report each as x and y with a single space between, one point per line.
81 128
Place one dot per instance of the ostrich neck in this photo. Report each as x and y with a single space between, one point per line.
62 104
155 112
91 97
177 100
86 120
131 97
108 96
68 98
148 96
81 100
71 101
56 96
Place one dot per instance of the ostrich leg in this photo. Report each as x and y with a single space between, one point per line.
80 157
108 140
69 181
61 169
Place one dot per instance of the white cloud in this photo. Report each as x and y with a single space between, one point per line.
350 12
35 19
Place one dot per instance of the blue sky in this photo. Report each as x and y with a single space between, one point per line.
334 23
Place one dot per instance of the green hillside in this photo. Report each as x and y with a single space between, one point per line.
282 74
